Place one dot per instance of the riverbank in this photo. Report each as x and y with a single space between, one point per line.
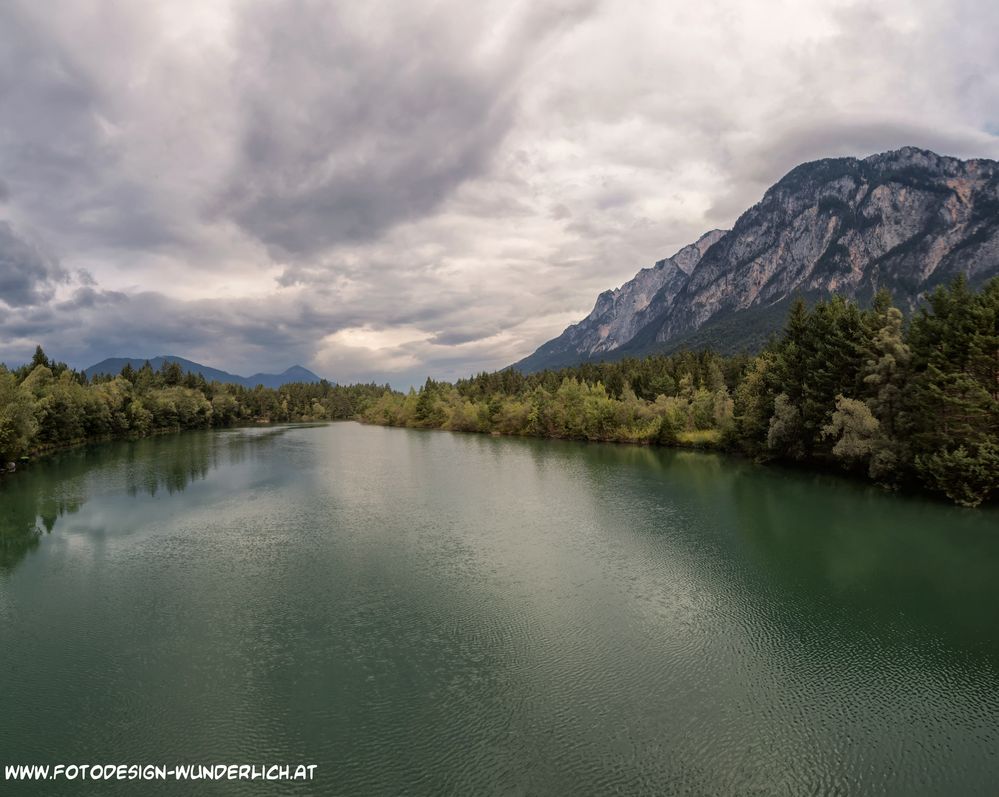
708 443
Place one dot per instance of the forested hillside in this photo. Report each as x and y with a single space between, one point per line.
906 404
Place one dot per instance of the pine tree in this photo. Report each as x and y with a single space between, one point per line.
40 358
952 409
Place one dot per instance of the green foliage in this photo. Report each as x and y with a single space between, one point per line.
966 476
17 419
855 430
574 409
46 405
753 405
785 433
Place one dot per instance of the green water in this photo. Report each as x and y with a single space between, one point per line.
431 613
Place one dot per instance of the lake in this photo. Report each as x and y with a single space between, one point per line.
436 613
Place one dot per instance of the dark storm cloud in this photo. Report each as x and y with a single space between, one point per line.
92 324
74 102
51 151
460 335
48 147
351 125
147 324
27 275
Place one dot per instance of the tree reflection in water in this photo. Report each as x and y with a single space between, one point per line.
33 501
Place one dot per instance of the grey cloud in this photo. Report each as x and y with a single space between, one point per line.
352 126
51 152
87 297
249 335
267 332
27 275
147 324
79 94
461 335
85 278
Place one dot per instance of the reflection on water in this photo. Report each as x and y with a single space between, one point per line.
433 613
874 556
33 500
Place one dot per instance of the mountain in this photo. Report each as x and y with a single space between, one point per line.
113 366
619 314
294 374
906 220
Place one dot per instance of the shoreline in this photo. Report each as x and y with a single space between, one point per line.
850 477
42 454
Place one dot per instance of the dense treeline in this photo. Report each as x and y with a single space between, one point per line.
904 404
46 405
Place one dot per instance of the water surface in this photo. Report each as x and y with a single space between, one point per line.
434 613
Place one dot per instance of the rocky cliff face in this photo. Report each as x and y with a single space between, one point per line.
906 220
619 314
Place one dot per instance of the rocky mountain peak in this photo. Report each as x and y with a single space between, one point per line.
907 220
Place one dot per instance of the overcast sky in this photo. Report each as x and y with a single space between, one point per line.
387 190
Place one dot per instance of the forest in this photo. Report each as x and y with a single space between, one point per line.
907 403
45 405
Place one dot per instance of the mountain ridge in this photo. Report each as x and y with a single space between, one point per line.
296 373
907 219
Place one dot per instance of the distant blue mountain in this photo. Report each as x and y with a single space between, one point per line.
113 365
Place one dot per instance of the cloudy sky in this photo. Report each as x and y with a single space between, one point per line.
386 190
